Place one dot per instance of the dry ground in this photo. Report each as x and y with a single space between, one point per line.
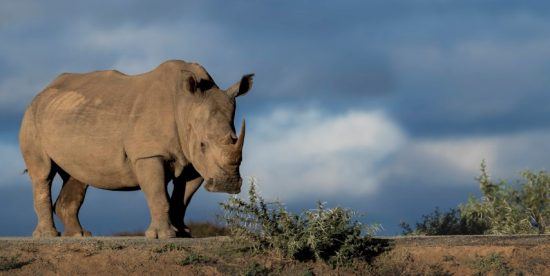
451 255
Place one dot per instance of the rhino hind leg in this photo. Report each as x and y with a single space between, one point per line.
179 201
68 205
42 171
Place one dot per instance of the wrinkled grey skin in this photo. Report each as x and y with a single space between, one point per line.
118 132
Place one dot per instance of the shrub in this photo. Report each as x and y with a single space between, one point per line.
328 234
502 209
524 209
450 222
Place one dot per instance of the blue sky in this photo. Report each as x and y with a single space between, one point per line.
387 107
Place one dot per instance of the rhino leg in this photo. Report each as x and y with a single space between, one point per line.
181 196
68 205
42 171
151 174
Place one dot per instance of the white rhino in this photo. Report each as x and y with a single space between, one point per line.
119 132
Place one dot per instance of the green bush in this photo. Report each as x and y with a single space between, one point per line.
507 209
450 222
327 234
503 209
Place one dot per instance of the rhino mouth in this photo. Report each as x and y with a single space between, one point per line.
230 185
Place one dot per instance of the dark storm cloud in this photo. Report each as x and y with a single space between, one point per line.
439 68
454 67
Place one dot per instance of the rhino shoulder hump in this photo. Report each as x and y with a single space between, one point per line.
62 78
111 73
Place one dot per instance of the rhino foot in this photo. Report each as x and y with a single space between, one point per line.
44 232
158 233
83 233
183 232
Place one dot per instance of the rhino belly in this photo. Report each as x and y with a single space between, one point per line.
104 171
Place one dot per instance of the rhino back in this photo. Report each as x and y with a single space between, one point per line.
95 125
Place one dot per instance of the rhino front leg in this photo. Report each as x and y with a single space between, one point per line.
181 197
150 175
68 205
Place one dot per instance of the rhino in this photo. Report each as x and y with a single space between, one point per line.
114 131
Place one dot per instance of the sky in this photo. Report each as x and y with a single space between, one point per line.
386 107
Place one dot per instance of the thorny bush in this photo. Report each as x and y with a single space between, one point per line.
328 234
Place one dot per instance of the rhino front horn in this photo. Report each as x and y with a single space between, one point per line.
240 140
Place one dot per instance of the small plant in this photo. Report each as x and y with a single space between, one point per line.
450 222
327 234
13 262
493 262
256 269
194 259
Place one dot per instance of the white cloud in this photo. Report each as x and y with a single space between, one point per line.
296 153
462 154
293 152
507 154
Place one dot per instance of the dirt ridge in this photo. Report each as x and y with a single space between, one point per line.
409 255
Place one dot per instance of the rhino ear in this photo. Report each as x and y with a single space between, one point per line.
190 84
241 87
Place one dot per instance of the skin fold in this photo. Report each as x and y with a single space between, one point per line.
112 131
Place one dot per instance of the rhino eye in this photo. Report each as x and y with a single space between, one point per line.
203 147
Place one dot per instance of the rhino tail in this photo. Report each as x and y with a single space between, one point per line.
25 171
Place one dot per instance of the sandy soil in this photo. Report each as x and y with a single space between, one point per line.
458 255
470 255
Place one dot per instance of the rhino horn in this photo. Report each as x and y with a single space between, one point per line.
240 140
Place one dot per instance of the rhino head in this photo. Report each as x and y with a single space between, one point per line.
212 145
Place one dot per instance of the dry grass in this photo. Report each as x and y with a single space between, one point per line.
12 262
224 256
